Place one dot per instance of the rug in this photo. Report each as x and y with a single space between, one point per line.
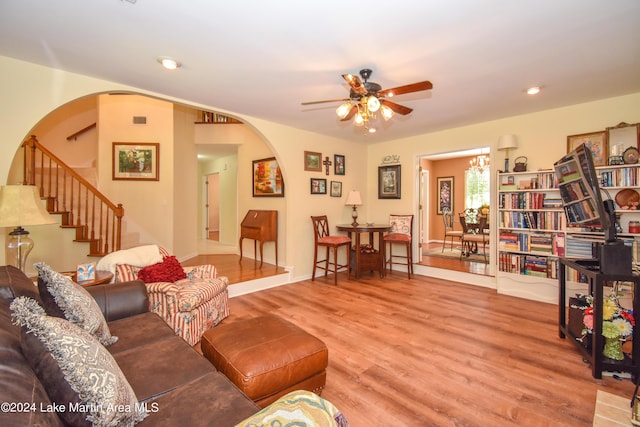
453 253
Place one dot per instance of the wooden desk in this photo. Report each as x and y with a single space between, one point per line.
260 226
372 261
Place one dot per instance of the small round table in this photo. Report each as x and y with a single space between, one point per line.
101 278
368 261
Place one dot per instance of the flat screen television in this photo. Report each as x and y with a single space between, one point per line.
584 207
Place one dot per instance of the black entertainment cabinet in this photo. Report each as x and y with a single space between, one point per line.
596 282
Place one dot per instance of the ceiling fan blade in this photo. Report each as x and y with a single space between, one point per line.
328 100
414 87
397 108
355 83
352 112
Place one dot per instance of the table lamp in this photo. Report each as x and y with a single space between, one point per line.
21 205
354 199
505 142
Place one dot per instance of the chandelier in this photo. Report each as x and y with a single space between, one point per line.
479 164
366 110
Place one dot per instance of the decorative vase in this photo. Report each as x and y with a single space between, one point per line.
613 349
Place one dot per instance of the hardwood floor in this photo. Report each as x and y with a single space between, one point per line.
429 352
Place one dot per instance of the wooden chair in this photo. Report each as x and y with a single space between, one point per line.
322 238
401 233
479 235
449 232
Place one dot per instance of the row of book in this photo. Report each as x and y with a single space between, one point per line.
529 265
581 211
547 243
623 177
521 200
548 220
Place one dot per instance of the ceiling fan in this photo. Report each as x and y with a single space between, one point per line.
366 98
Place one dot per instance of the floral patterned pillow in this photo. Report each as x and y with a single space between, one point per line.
78 306
77 358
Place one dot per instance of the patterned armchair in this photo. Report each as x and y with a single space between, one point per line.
191 305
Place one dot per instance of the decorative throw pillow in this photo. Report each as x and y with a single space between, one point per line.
169 270
100 394
78 306
401 223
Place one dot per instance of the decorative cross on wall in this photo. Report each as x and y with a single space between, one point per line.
327 164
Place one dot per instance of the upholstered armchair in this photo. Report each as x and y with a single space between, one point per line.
190 299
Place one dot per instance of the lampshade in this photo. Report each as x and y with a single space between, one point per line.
21 205
506 142
354 199
343 110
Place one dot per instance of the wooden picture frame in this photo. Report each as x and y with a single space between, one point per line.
267 178
339 166
136 161
318 186
623 136
389 180
445 194
312 161
596 141
336 189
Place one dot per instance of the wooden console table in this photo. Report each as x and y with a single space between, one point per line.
596 282
372 261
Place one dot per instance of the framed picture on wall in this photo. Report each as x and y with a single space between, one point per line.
336 189
445 194
138 161
267 178
318 186
312 161
389 182
596 141
339 167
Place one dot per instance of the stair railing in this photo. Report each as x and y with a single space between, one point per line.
96 219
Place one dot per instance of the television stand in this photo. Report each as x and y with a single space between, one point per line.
596 281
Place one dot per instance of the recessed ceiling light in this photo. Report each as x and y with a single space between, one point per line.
169 63
533 90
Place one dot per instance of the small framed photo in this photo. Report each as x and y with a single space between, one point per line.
336 189
86 272
596 141
267 178
318 186
389 182
312 161
338 164
136 161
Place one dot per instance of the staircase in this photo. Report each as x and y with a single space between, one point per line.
96 220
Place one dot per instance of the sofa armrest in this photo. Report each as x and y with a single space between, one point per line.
120 300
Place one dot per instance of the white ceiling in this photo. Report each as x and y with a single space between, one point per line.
263 58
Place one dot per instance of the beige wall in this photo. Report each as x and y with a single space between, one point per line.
31 92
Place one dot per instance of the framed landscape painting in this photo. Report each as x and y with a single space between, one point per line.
138 161
267 178
312 161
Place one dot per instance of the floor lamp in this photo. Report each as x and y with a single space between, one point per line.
20 205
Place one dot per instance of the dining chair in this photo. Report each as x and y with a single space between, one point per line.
322 238
476 236
449 232
401 233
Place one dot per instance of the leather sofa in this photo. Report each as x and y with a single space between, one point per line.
178 384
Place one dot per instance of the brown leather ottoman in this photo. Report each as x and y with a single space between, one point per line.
267 357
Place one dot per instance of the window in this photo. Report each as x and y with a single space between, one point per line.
477 188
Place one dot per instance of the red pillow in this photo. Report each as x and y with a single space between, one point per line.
169 270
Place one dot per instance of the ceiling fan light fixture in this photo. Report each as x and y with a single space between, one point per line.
359 119
387 112
343 110
373 104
